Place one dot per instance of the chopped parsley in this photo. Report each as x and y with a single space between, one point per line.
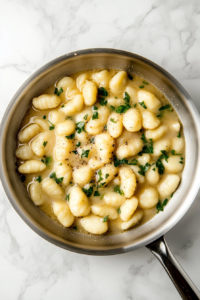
179 134
173 152
133 162
78 144
118 190
160 166
127 97
102 184
181 160
148 147
119 210
118 162
112 120
115 97
141 86
85 153
106 176
44 117
96 194
143 138
70 137
130 77
144 169
57 180
60 164
52 126
23 178
58 91
80 126
95 107
122 108
154 169
105 219
102 92
45 143
112 108
89 191
135 105
67 197
171 195
105 127
62 106
143 104
102 101
85 117
164 107
160 206
75 152
164 155
47 160
95 115
100 173
102 196
39 179
144 82
92 140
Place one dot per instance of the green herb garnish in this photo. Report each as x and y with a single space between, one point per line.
89 191
105 219
44 117
122 108
160 206
39 179
106 176
164 155
78 144
112 108
144 169
95 115
100 173
67 197
164 107
119 210
52 126
96 194
141 86
160 166
144 82
143 138
173 152
118 190
70 137
112 120
102 92
85 153
57 180
45 143
47 160
118 162
179 134
58 91
80 126
92 140
85 117
133 162
127 97
102 101
143 104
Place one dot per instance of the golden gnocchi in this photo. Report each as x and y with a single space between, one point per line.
99 150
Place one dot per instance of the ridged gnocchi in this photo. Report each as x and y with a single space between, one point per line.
99 149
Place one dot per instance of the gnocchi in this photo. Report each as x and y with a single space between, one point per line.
99 149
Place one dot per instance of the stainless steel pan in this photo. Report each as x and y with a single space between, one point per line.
149 234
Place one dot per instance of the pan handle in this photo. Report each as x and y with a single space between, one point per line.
181 280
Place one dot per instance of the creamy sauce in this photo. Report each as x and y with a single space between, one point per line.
168 117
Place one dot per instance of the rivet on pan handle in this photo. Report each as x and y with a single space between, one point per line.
181 280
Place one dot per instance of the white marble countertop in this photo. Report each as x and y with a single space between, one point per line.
34 32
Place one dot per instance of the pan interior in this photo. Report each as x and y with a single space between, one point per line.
95 59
